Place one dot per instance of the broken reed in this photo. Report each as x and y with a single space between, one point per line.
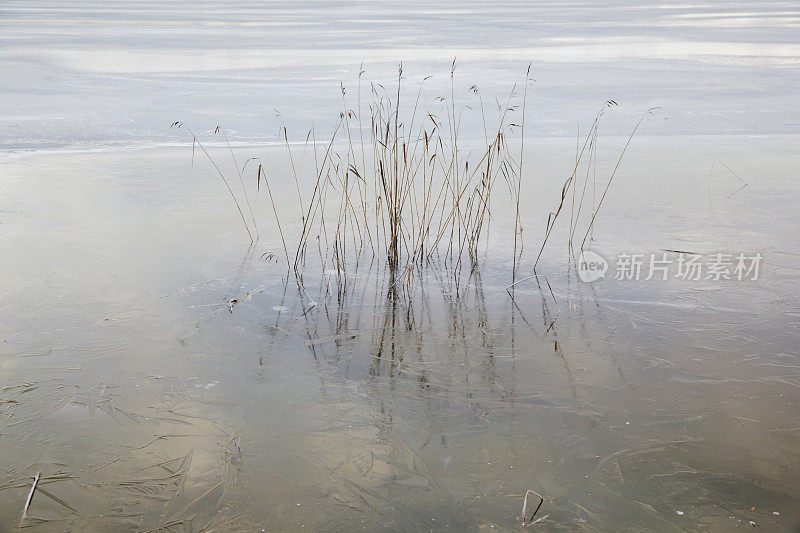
407 193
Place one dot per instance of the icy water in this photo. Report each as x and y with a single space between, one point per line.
148 401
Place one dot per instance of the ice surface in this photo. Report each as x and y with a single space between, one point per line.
96 73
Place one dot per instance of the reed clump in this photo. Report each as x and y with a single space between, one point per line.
392 183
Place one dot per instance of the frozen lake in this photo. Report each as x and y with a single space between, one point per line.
160 373
89 74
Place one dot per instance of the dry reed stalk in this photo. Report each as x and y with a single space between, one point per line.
519 176
30 498
196 141
614 172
